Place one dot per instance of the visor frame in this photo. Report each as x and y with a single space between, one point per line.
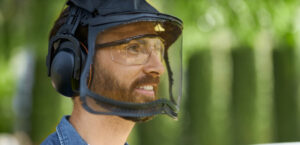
100 24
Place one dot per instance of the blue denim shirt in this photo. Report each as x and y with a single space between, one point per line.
65 135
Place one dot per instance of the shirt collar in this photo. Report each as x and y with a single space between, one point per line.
67 134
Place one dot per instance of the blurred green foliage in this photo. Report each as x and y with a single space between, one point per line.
7 86
241 66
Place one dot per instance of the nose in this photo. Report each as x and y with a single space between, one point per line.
154 66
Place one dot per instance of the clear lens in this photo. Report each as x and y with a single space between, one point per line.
137 51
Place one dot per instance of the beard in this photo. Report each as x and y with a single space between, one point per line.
105 84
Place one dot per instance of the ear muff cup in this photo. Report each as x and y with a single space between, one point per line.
63 66
66 59
62 72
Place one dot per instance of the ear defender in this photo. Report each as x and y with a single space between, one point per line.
65 57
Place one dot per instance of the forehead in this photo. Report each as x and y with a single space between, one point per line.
125 31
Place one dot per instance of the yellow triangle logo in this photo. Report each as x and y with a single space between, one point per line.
159 28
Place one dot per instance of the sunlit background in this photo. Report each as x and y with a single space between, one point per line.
241 74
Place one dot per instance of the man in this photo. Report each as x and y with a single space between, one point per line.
120 61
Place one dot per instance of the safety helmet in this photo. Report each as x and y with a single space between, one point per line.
69 66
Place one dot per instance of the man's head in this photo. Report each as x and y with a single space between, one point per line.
129 72
127 64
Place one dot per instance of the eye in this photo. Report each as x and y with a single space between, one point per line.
133 48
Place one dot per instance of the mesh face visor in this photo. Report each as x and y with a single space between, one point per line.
133 67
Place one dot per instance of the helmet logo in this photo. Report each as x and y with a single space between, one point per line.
159 28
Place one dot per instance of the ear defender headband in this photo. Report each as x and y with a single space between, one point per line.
65 57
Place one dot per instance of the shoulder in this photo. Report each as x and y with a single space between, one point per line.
52 139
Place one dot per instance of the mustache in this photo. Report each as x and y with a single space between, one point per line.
148 79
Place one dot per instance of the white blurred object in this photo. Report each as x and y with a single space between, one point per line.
8 139
18 138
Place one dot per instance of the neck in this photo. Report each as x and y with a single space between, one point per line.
100 129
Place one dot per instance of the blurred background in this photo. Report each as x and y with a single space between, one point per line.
241 74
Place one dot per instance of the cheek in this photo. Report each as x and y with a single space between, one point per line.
125 75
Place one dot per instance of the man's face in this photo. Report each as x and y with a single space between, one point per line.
125 82
128 83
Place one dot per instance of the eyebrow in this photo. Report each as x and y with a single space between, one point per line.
141 41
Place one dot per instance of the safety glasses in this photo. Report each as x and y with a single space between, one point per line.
135 50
